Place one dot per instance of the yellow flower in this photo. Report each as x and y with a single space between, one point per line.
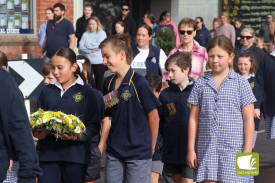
47 117
66 119
77 129
57 114
72 117
71 126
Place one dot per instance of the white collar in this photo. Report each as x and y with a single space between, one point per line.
250 76
273 53
77 81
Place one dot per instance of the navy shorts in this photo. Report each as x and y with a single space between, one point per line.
184 170
93 170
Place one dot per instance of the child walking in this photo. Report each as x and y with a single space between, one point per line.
174 117
67 159
221 118
247 67
133 107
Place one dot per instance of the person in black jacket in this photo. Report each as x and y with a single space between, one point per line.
129 23
82 22
247 44
239 26
15 133
202 34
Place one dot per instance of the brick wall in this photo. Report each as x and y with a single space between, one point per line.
14 46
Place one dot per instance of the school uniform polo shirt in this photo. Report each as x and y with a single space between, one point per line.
129 136
80 100
58 35
174 117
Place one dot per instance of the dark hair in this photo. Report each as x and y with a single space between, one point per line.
87 66
180 59
125 4
248 54
3 59
70 55
221 41
50 8
188 21
162 15
238 20
148 28
201 19
59 5
119 42
47 68
155 81
88 6
150 15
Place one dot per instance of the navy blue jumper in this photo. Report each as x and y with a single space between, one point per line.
86 108
129 137
151 67
203 36
174 127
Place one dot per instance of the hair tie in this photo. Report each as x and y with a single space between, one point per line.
79 63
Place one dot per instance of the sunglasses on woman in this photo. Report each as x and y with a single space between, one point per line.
246 37
189 32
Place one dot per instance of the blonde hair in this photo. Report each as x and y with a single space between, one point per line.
99 25
249 30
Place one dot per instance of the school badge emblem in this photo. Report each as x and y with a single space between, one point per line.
252 85
126 95
189 105
77 97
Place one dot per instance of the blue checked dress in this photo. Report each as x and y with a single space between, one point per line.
221 130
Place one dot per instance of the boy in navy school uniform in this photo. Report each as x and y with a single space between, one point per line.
98 142
133 108
174 116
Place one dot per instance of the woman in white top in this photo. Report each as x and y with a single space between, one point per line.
147 58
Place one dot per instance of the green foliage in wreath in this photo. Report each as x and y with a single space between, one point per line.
165 40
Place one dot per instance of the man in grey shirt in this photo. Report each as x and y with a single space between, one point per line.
265 33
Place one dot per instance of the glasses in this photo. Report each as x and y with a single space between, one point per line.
189 32
246 37
124 9
269 17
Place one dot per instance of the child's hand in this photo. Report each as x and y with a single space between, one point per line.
71 137
11 163
257 113
192 160
40 134
93 51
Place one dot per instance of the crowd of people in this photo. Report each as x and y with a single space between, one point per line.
183 116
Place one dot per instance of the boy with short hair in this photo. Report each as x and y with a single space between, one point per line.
174 117
133 107
47 73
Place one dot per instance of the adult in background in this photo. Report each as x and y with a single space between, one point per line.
202 34
165 21
59 32
119 27
239 26
187 29
226 29
247 44
15 132
81 23
89 46
265 32
216 23
42 30
147 58
127 19
149 19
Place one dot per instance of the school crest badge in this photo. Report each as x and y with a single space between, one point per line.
77 97
189 105
126 95
172 108
252 85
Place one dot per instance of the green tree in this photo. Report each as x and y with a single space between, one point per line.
165 40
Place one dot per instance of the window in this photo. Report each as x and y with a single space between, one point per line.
16 17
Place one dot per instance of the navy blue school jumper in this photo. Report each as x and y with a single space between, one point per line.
129 137
152 61
81 101
174 117
252 81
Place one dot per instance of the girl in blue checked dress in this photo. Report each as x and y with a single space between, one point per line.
221 118
67 159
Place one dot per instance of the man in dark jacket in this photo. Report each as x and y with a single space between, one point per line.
202 33
127 19
82 22
15 133
239 26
